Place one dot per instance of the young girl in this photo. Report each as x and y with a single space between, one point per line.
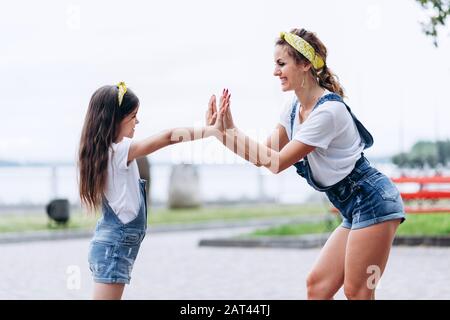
322 138
109 178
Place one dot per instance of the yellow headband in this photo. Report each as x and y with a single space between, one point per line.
302 46
122 90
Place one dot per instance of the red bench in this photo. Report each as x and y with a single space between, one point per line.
424 196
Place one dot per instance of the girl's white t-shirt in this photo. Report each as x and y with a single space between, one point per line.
331 129
122 185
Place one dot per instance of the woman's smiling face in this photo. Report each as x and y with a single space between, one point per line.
287 69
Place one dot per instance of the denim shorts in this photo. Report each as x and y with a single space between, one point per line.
115 245
113 252
366 197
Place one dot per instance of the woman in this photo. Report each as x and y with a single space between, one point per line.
321 137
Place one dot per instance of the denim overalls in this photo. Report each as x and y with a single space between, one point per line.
115 245
365 196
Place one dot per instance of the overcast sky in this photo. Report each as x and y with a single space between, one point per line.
175 54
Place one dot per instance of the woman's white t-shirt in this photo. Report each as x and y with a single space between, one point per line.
331 129
122 185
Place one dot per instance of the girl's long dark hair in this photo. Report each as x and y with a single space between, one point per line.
101 128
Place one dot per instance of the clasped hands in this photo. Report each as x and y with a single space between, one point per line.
221 120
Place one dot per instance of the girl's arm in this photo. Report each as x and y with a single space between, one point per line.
258 153
168 137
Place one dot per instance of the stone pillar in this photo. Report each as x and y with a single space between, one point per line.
184 187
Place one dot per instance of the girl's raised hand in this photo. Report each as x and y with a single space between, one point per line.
211 113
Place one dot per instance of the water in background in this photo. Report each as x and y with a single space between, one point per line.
24 186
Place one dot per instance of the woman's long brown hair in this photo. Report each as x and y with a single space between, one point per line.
100 130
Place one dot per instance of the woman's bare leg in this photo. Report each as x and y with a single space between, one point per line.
327 275
366 258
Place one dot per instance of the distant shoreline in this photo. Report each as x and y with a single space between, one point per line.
9 164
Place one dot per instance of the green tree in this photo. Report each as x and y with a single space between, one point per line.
401 160
424 153
439 11
443 152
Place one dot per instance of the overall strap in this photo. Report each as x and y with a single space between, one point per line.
366 137
293 112
328 97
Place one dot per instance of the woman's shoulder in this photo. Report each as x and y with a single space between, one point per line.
331 109
331 102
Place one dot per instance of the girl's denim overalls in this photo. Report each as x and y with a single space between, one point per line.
365 196
115 245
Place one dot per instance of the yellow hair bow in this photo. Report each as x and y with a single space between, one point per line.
122 90
302 46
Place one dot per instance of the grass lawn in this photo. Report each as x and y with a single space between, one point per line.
425 224
297 229
34 222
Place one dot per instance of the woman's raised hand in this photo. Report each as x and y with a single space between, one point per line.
225 111
220 119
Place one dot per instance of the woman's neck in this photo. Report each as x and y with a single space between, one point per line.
308 96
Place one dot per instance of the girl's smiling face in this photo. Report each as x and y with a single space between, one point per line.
128 125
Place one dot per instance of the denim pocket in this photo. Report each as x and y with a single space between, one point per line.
132 237
343 192
384 186
106 235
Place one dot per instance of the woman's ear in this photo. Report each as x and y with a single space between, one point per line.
306 67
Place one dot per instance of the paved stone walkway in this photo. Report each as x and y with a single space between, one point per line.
172 266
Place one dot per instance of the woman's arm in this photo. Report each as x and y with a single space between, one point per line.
278 139
261 155
257 153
